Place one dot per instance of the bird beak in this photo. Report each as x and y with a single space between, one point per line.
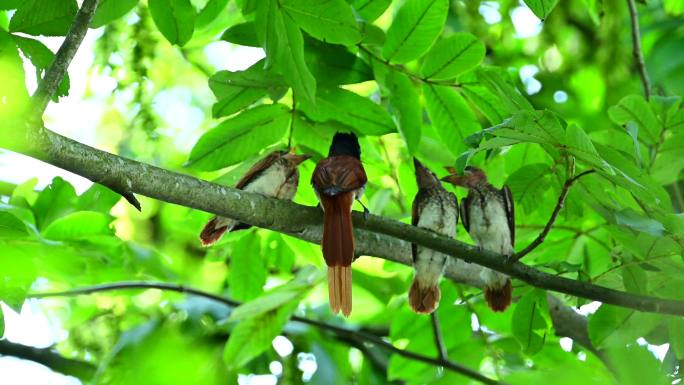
297 159
457 180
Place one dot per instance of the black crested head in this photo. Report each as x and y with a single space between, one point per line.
344 143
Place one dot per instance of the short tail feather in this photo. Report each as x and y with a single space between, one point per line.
424 299
498 299
214 230
338 250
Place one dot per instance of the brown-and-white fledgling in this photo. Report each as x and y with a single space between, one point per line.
276 176
488 215
338 180
435 209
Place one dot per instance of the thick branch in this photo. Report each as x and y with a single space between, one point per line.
50 358
58 68
559 205
636 49
338 330
302 221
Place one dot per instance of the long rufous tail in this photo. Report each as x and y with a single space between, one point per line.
498 298
424 298
338 250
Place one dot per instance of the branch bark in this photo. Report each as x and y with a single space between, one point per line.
337 330
58 68
48 357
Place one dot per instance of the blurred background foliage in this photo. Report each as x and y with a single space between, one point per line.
580 106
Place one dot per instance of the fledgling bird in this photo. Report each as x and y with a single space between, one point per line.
488 215
276 176
338 180
435 209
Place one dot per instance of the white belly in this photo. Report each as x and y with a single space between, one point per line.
493 235
269 183
430 264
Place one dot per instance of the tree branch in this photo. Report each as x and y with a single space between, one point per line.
338 330
48 357
305 222
559 205
439 340
58 68
636 49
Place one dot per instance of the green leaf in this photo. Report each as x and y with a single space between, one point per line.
78 225
451 116
616 326
676 329
253 336
2 323
452 56
18 272
42 58
635 279
371 9
11 4
242 34
284 45
13 92
415 28
674 7
635 365
97 198
351 109
333 65
541 8
327 20
295 289
55 201
247 268
11 227
531 321
210 12
634 220
499 84
489 104
528 185
174 18
405 102
581 146
635 108
240 89
110 10
237 138
44 17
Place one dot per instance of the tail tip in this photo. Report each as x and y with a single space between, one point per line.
211 233
498 299
424 299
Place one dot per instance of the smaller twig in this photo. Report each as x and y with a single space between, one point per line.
636 51
439 341
559 205
58 68
677 192
405 71
50 358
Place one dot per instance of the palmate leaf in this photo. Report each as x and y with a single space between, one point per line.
110 10
452 56
415 28
451 116
283 42
174 18
41 17
239 137
327 20
351 109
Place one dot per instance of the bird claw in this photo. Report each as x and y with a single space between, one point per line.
366 213
510 259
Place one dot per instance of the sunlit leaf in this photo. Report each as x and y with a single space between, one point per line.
327 20
370 9
110 10
541 8
78 225
248 273
415 28
405 101
452 56
450 114
174 18
40 17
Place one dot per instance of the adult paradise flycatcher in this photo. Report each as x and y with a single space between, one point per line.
338 180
